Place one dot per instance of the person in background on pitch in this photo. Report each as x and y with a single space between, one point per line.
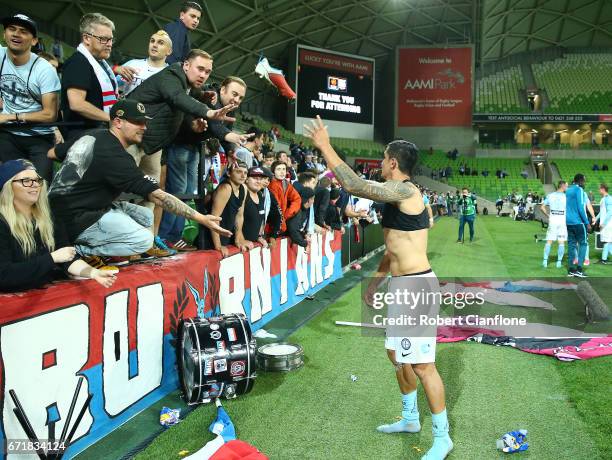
557 230
578 225
605 222
467 213
405 225
32 248
188 20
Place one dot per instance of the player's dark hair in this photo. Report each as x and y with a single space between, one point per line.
560 184
186 6
578 178
604 186
406 154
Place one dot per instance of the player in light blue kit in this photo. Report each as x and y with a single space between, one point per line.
605 222
557 229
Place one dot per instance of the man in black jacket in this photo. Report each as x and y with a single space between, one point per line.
297 226
168 96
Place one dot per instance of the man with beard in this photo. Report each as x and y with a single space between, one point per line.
97 169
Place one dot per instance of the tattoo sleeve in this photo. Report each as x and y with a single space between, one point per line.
172 204
388 192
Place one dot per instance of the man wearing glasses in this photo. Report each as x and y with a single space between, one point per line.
89 88
29 88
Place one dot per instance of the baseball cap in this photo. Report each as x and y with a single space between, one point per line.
130 110
11 168
267 172
21 20
256 171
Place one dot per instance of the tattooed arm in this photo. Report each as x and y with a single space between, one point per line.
388 192
172 204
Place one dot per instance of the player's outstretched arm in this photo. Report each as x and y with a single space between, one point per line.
388 192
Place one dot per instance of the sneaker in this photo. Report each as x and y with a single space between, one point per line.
155 252
181 246
275 77
575 261
602 262
580 274
587 262
158 242
571 273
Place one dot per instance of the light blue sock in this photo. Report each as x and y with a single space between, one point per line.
442 443
546 251
604 254
410 408
410 417
560 252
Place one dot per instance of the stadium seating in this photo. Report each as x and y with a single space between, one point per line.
499 93
569 168
577 83
351 147
489 187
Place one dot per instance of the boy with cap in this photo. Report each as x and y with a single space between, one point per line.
297 226
96 170
29 89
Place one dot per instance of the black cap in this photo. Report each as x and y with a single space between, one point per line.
256 171
306 193
267 172
128 109
21 20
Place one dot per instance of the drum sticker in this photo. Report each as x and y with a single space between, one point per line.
208 367
238 368
214 326
221 345
215 335
231 334
220 365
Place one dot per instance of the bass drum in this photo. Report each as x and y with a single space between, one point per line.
217 357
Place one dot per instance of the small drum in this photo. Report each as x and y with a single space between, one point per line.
280 357
217 357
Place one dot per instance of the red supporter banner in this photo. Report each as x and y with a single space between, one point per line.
335 61
434 87
124 340
371 164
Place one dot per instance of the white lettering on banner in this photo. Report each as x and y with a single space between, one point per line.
42 358
329 253
261 286
316 259
283 270
301 271
121 390
231 271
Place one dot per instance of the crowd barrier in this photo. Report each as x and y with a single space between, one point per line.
123 340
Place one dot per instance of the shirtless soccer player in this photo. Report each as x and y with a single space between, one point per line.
405 222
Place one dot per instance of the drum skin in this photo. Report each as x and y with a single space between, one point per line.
216 357
269 358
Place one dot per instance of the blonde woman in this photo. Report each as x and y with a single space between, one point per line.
31 249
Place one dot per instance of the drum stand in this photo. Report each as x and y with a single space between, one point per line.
62 444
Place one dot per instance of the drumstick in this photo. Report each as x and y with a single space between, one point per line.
218 402
350 323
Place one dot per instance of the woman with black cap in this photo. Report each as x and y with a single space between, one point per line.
28 239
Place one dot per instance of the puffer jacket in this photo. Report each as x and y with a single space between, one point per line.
288 199
166 99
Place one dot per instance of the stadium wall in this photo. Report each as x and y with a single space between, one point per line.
440 138
124 340
560 154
